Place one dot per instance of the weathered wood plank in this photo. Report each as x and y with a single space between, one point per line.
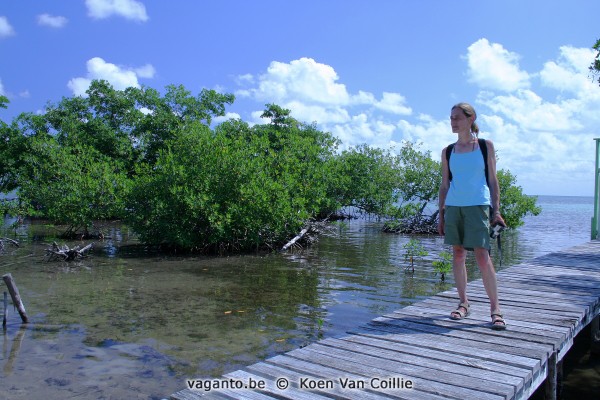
373 367
495 376
506 354
275 372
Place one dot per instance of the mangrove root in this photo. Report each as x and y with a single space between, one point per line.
64 253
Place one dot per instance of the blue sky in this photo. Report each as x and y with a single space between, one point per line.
376 72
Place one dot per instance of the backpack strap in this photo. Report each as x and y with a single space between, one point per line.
448 152
482 147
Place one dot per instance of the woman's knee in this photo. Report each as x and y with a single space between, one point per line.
459 252
482 257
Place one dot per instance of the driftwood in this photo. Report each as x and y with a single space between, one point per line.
295 239
309 235
11 241
16 297
63 253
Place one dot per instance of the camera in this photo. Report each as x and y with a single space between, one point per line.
496 229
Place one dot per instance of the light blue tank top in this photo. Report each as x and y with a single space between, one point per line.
468 186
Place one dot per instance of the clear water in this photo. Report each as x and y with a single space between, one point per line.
124 323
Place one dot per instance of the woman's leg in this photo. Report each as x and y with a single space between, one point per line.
459 255
488 275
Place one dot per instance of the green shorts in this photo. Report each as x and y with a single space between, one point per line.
467 226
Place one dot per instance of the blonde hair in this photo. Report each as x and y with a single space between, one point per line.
469 111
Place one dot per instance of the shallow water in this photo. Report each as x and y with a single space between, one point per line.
124 323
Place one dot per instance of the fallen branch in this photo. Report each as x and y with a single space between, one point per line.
295 239
63 253
11 241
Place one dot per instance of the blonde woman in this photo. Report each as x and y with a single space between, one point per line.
466 195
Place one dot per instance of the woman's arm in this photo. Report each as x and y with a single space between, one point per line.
444 186
494 185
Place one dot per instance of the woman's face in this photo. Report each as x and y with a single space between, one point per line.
459 121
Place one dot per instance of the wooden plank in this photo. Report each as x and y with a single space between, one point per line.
291 392
428 317
513 287
480 350
420 391
276 372
448 356
543 284
480 311
495 375
548 317
371 366
538 350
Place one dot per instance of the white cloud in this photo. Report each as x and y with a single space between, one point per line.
313 93
570 72
532 112
491 66
6 29
146 71
226 117
2 89
433 134
130 9
53 21
304 80
393 103
545 137
119 77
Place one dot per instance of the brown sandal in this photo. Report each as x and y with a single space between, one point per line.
498 323
459 313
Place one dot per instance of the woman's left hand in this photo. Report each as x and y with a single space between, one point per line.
498 220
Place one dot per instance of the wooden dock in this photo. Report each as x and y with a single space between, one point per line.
546 302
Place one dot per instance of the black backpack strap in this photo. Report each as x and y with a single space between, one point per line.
448 152
484 152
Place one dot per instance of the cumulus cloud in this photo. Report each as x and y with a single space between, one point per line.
569 72
119 77
6 29
303 80
393 103
52 21
491 66
2 89
313 92
129 9
544 132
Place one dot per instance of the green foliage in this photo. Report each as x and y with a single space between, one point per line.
419 179
74 164
443 264
235 189
414 251
514 205
365 178
71 185
595 66
4 101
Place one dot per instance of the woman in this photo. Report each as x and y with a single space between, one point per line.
464 201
